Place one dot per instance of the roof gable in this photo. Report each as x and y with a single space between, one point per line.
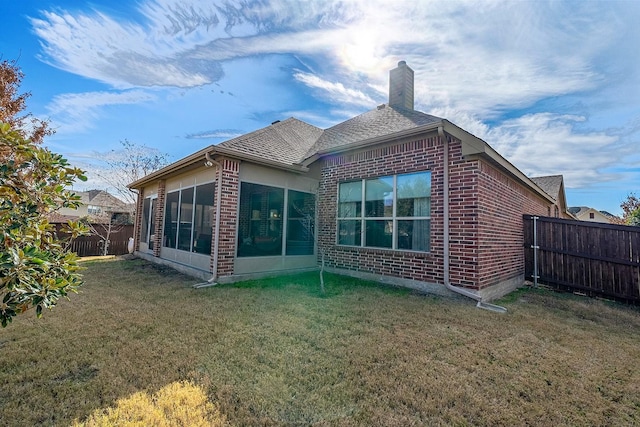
552 185
284 142
381 121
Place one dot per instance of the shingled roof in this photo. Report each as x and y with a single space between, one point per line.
382 121
284 141
549 184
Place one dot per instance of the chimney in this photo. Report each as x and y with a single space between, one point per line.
401 87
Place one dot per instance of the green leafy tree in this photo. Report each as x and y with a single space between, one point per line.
36 269
631 210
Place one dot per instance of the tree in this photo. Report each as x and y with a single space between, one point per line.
103 226
631 210
36 269
13 104
129 164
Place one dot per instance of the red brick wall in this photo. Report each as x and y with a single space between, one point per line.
485 210
417 155
503 201
463 214
138 220
159 218
228 216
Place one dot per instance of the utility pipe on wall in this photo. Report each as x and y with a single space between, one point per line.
445 238
214 276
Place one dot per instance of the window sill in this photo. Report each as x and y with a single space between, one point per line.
368 249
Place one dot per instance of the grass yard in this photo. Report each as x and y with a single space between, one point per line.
278 353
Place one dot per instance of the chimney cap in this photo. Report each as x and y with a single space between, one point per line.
401 63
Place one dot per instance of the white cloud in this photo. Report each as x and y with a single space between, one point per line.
474 61
337 93
548 144
219 133
76 112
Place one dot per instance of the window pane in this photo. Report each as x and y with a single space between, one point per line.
301 222
186 220
379 197
350 199
414 195
203 220
379 233
152 223
349 232
144 229
260 220
171 220
414 235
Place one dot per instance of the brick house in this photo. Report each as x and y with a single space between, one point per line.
373 196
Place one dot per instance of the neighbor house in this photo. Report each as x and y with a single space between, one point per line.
585 213
97 205
393 194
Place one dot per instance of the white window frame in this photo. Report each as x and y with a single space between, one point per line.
394 218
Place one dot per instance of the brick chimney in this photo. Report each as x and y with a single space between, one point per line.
401 87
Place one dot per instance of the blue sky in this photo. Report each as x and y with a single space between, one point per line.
552 86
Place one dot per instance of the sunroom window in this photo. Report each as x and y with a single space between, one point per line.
275 222
188 219
396 214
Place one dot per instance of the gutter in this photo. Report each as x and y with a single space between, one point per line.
446 262
216 250
195 158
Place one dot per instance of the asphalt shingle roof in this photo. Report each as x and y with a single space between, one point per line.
549 184
285 142
291 141
383 120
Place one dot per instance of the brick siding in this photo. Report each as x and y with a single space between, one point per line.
159 218
411 156
485 210
503 201
138 220
228 216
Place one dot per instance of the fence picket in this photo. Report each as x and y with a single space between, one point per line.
599 259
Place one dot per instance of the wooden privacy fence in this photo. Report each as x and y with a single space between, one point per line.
594 258
92 245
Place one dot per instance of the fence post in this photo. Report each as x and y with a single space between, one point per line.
535 248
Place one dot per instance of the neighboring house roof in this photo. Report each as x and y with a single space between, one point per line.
103 199
284 141
549 184
583 214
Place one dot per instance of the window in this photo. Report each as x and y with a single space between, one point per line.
146 207
264 223
592 215
387 212
300 223
188 219
94 210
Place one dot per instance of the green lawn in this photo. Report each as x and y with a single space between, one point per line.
277 352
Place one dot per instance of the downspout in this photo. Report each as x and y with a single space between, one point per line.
214 275
445 239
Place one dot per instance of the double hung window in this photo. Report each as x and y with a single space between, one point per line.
391 212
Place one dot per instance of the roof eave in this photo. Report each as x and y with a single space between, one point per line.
474 146
372 141
180 165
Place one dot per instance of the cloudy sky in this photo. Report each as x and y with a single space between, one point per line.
552 86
